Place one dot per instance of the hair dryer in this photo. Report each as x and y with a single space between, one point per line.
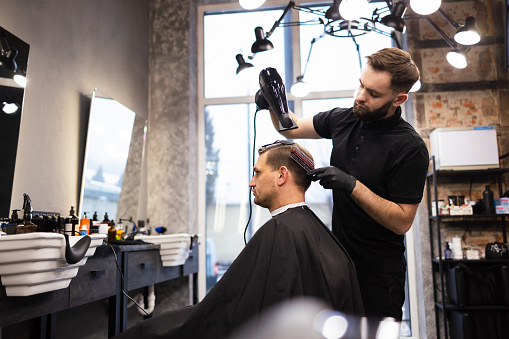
274 93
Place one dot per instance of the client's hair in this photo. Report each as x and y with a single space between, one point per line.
279 155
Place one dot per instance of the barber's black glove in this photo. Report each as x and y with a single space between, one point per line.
333 178
260 100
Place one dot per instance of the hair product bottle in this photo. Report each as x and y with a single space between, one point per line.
488 202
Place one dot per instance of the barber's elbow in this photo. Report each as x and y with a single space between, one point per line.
402 229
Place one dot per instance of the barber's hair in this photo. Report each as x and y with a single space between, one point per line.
279 155
399 64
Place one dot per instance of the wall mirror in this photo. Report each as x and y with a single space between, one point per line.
11 96
110 128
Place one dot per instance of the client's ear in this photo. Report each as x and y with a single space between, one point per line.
283 175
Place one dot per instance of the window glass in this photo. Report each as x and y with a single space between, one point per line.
228 34
334 61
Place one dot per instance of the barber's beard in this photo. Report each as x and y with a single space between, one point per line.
371 115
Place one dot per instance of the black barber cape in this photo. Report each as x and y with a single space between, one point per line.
293 254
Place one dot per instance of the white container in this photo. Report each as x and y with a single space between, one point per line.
174 249
464 148
34 263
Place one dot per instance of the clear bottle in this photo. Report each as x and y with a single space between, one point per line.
148 227
447 252
120 235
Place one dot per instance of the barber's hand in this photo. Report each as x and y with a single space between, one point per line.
333 178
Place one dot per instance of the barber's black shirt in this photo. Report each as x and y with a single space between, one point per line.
391 159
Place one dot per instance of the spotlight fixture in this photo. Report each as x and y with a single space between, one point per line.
353 9
242 63
300 88
457 58
20 77
262 43
468 34
425 7
333 11
251 4
395 19
10 107
339 22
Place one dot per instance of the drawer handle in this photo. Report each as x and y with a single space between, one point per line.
98 273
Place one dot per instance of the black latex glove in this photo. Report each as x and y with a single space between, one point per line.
333 178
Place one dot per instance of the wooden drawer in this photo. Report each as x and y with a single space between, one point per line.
143 268
96 280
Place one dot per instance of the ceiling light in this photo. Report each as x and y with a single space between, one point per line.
251 4
457 58
10 107
395 19
468 34
425 7
262 43
300 88
353 9
242 63
416 86
333 11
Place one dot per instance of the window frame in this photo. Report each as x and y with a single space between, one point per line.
202 10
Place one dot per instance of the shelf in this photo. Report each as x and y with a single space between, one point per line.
450 218
473 261
486 172
449 306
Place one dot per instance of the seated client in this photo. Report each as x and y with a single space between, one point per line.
293 254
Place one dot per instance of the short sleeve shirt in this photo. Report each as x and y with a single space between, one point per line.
391 159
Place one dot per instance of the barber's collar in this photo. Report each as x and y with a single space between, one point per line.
284 208
384 123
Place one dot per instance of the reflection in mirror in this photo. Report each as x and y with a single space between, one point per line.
109 133
11 97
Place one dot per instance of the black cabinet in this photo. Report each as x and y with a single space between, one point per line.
98 281
471 296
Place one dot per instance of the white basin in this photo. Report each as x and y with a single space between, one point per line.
174 249
34 263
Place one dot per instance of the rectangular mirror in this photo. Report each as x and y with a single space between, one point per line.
110 128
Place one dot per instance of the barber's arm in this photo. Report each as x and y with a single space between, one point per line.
306 129
396 217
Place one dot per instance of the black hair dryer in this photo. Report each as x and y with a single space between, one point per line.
272 93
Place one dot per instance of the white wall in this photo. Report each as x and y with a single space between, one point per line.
75 46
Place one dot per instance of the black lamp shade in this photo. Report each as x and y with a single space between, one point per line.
395 19
333 11
242 64
261 44
7 61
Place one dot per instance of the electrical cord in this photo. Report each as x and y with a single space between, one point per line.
250 190
122 280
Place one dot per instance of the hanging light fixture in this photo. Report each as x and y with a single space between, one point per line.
425 7
338 20
242 63
251 4
20 77
300 88
468 34
10 107
457 58
395 19
333 11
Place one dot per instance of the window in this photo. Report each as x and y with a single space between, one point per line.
230 121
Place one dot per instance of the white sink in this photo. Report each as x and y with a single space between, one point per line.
174 249
34 263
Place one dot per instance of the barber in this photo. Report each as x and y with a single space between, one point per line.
377 175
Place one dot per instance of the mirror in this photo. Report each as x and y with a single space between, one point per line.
10 92
110 128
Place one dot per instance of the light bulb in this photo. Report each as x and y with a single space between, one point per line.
300 89
353 9
467 37
251 4
457 59
9 108
20 80
425 7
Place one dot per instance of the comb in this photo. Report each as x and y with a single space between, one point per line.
302 159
